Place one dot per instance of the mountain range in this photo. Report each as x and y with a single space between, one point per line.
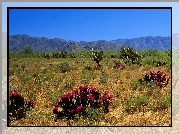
43 44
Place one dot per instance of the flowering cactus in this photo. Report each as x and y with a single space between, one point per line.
19 105
160 63
78 100
158 78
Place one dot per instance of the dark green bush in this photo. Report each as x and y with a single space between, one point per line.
65 67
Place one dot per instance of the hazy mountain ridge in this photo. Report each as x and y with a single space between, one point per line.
17 42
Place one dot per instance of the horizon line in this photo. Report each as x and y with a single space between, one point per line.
91 41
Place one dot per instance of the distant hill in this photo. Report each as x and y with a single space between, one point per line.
17 42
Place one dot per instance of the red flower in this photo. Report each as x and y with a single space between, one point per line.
15 93
155 76
90 96
160 73
151 72
111 97
80 87
31 101
69 95
55 110
168 78
55 104
86 87
63 96
72 110
106 92
100 101
79 108
75 91
165 83
158 83
105 97
93 89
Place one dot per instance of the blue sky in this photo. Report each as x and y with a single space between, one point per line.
90 24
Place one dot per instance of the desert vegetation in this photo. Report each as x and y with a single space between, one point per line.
91 88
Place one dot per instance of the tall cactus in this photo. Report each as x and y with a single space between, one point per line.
46 55
96 56
63 54
56 55
130 54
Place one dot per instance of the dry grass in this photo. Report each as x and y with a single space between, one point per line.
46 90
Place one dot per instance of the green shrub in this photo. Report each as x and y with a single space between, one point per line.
131 104
135 84
104 79
161 102
11 72
44 77
69 83
165 101
65 67
94 114
85 77
27 49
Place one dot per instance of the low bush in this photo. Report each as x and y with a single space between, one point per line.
65 67
80 101
18 105
158 78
